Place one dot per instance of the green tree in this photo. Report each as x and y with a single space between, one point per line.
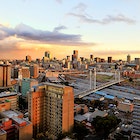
80 130
103 125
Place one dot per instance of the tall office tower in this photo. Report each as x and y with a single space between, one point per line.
91 57
48 54
97 59
75 55
14 72
51 109
136 119
28 58
5 75
34 71
109 59
128 58
68 58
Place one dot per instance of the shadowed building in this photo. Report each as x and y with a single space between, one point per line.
136 119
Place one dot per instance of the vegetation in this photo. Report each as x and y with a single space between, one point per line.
104 125
79 131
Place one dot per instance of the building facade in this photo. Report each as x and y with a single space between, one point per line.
51 109
12 97
27 84
14 127
128 58
5 75
136 119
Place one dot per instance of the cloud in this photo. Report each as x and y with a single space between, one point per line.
81 7
80 13
59 1
27 33
57 29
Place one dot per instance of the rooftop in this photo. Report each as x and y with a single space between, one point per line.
79 118
11 114
5 94
18 120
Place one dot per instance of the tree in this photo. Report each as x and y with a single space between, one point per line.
80 130
103 125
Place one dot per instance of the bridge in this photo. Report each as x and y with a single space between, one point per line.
99 87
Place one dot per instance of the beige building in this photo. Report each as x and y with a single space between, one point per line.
25 72
125 106
12 97
51 109
5 75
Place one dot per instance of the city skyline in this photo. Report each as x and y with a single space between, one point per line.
102 28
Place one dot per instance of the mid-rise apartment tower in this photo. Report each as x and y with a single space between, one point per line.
51 109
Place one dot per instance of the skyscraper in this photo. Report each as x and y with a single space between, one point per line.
128 58
75 55
5 75
28 58
48 54
109 59
91 57
51 109
34 71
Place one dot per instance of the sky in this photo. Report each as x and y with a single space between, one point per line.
99 27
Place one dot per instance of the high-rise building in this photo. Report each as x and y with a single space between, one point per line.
109 59
28 58
48 54
5 75
51 109
97 59
47 57
75 55
136 119
128 58
27 84
91 57
34 71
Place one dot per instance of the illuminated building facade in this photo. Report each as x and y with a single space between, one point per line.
51 109
5 75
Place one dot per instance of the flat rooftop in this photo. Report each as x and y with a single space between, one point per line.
6 94
18 120
11 114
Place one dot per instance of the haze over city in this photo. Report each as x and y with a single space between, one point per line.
102 28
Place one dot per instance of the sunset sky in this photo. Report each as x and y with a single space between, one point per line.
99 27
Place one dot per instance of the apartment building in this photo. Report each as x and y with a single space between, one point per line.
51 109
